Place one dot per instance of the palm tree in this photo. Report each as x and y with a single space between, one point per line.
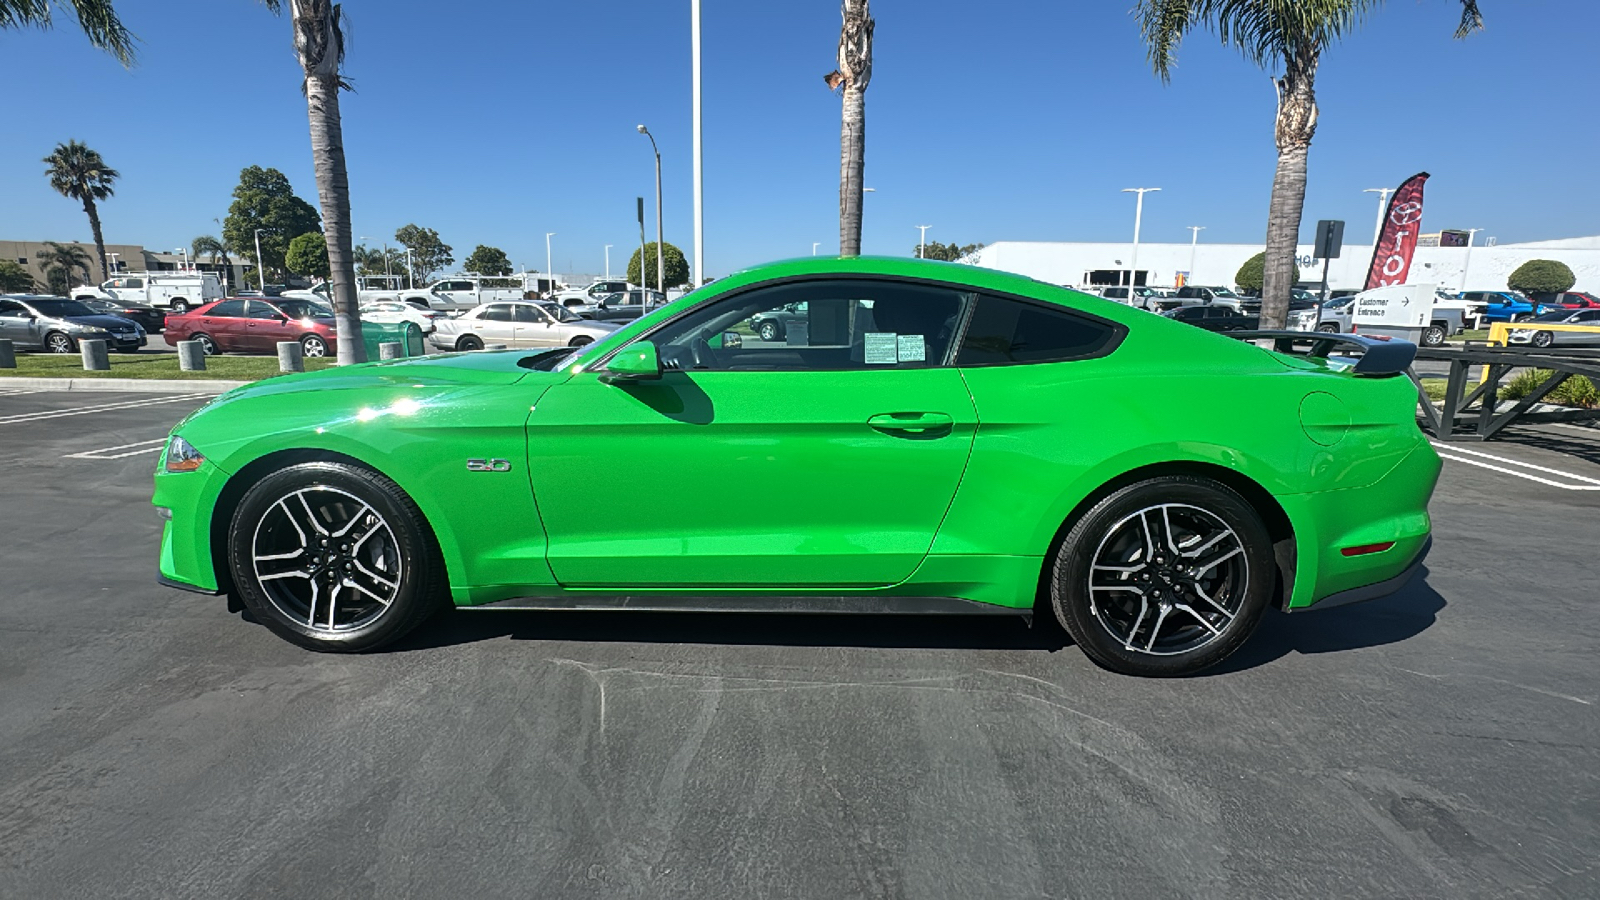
210 245
319 44
98 20
80 174
853 74
1273 34
59 261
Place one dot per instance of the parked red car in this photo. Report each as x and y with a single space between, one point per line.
1568 300
254 325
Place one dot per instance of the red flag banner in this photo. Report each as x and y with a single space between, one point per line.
1391 259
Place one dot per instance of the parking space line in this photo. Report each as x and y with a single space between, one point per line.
107 452
1447 451
87 410
8 393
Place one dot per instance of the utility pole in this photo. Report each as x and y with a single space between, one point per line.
608 262
922 242
1138 214
1467 266
1383 202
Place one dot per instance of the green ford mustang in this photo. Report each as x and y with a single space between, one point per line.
924 437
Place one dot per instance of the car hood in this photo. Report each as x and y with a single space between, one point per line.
98 321
446 370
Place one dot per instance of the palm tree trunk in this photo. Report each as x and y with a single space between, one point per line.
333 192
855 71
1297 123
99 239
852 163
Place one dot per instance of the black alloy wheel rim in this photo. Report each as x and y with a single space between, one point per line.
326 560
1168 579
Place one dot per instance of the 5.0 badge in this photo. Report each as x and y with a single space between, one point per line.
488 465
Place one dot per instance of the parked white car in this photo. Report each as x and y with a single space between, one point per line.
395 311
517 324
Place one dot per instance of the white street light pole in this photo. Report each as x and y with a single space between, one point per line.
261 270
185 252
608 262
922 242
699 276
1467 266
113 262
814 246
411 272
547 271
1138 216
661 260
1383 202
1194 246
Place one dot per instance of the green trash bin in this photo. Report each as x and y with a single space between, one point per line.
406 334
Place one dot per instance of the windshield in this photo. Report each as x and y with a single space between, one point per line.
303 309
61 308
1558 316
1223 292
561 313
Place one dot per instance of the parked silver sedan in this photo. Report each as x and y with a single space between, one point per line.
517 324
56 324
1531 333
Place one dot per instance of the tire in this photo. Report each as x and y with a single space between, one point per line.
469 342
285 549
1197 622
1329 328
1542 339
580 341
207 345
313 347
59 342
1433 336
770 331
179 306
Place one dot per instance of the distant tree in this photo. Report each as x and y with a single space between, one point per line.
308 255
208 245
59 261
428 253
488 261
1542 276
265 200
78 173
14 279
677 268
1252 274
946 252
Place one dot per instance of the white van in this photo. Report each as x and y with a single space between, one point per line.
175 291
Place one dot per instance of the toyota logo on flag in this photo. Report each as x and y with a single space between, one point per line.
1408 213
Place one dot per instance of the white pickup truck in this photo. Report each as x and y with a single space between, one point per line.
452 294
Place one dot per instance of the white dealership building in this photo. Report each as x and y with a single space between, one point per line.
1454 268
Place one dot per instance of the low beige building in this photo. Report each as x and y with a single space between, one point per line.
124 258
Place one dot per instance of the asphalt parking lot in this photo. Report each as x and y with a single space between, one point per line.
1441 743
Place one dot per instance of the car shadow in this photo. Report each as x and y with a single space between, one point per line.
741 629
1388 620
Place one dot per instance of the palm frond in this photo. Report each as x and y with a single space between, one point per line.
97 18
77 172
1471 19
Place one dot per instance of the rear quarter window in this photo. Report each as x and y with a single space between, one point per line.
1008 331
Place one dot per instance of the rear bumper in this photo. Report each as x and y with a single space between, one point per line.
1373 591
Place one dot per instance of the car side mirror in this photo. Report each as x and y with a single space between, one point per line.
636 362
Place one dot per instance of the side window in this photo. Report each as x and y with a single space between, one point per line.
1003 330
12 309
824 325
497 312
228 309
258 310
135 283
526 312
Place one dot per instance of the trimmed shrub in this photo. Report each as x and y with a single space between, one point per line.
1542 276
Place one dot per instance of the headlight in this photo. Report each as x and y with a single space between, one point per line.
89 330
182 456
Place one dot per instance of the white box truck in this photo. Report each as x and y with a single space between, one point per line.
177 292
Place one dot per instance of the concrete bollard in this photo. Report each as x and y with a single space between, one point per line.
8 355
494 346
291 357
191 356
391 350
95 356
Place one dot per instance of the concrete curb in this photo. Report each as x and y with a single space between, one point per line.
145 385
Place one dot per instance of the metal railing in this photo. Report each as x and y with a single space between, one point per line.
1456 419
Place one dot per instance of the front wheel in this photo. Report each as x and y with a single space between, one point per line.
1543 339
580 341
56 342
1434 336
1164 577
334 557
1328 328
313 346
769 331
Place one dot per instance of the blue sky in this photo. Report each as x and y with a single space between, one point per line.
1006 120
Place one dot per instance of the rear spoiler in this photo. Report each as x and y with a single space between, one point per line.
1371 355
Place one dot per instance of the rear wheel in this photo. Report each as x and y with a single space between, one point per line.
333 557
207 345
1433 336
180 305
313 346
1163 577
56 342
469 342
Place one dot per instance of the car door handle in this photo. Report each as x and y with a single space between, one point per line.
913 422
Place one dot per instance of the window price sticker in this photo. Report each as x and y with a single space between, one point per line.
882 348
912 348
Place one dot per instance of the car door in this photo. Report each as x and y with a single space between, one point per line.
823 465
261 328
532 327
1589 318
494 325
225 323
14 321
